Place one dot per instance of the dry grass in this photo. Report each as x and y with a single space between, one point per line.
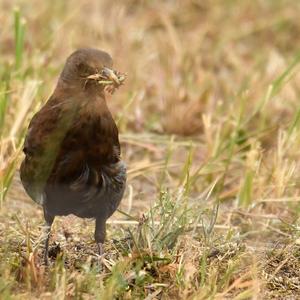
209 121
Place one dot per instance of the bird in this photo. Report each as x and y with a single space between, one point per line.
72 157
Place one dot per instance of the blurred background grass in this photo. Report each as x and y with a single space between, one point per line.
209 120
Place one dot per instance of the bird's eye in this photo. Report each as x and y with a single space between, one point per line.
84 69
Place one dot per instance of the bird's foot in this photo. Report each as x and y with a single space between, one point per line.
46 261
101 256
100 249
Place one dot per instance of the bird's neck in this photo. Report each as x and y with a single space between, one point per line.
84 95
75 86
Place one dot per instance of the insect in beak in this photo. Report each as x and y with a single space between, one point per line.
108 76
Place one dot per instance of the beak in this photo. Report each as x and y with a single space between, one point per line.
111 75
108 78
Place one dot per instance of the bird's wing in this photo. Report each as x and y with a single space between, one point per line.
46 131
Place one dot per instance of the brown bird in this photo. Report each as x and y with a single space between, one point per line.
72 159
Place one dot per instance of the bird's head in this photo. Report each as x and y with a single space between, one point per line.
93 69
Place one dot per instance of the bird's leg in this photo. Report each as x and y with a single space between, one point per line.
100 232
47 233
100 249
49 220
